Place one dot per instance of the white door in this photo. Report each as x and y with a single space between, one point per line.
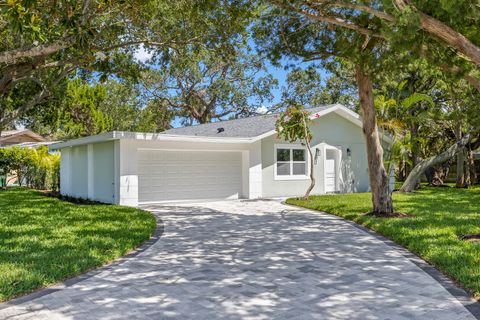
330 175
188 175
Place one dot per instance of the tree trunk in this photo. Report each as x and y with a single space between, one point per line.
312 176
379 181
312 165
445 33
472 173
415 147
460 180
409 184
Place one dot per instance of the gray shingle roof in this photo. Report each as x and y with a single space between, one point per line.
239 128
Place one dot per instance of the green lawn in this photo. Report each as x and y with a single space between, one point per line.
441 215
44 240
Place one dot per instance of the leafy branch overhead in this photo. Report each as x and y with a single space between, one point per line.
443 33
42 44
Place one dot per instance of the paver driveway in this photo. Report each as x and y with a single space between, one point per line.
253 260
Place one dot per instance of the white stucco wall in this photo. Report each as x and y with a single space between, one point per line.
78 173
127 151
103 172
87 172
335 131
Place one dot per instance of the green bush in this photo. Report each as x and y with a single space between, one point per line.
35 168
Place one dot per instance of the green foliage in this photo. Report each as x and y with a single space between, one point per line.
100 37
92 107
293 124
438 217
81 114
306 86
202 85
35 167
44 240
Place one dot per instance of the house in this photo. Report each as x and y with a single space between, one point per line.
13 137
232 159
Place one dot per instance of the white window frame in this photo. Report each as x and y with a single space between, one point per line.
291 176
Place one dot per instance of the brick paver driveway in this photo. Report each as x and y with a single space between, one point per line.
252 260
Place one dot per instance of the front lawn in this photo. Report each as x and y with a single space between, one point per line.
440 216
44 240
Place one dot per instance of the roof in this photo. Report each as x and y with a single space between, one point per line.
244 127
245 130
31 145
5 135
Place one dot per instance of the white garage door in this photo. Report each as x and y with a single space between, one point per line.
188 175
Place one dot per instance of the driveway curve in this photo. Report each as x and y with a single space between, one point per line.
252 260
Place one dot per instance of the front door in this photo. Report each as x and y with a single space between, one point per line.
330 172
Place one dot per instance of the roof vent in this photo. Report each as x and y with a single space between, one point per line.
219 130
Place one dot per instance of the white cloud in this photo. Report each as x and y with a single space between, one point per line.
262 110
142 55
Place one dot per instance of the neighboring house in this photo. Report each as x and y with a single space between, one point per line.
22 139
231 159
13 137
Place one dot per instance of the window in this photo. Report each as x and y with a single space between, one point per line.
291 162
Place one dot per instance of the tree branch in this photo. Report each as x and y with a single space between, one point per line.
443 32
345 5
329 20
33 51
37 99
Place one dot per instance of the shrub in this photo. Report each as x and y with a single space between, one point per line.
35 168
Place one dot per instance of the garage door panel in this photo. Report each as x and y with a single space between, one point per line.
182 175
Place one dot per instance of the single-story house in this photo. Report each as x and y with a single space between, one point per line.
232 159
13 137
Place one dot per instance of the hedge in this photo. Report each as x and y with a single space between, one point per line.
35 168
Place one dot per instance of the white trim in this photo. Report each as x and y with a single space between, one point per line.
116 169
120 135
338 158
291 146
192 150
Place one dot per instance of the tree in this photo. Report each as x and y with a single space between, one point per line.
306 87
293 126
284 31
205 85
88 107
45 42
420 27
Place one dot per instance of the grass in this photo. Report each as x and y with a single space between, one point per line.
440 216
44 240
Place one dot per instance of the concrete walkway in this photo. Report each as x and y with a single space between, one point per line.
251 260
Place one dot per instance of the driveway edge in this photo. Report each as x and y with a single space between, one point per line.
160 228
472 305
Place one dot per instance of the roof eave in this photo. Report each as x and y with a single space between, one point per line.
121 135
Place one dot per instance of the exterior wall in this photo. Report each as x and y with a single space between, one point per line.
333 130
127 154
103 172
65 171
87 172
78 172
